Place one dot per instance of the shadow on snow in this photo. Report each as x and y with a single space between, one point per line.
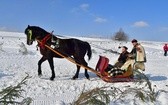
4 75
156 78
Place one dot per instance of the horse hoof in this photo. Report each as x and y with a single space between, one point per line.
87 76
74 78
39 75
52 79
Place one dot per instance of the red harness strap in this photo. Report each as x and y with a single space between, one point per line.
44 40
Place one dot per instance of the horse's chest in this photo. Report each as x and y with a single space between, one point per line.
43 51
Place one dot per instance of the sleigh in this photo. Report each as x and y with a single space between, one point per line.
103 64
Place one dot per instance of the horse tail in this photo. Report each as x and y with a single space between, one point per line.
89 51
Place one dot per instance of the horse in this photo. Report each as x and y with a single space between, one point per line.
71 47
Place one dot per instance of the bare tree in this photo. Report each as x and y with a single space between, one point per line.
120 36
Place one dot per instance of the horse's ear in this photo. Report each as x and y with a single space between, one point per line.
28 26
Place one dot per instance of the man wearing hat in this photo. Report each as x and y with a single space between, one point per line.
138 54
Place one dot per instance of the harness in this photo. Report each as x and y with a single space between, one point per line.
54 43
44 40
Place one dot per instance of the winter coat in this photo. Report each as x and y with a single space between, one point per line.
165 48
138 53
123 57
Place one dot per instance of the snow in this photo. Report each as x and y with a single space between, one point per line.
14 65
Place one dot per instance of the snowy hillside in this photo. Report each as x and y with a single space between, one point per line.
14 65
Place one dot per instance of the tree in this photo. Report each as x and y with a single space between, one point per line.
120 36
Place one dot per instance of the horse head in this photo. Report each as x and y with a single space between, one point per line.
30 35
33 33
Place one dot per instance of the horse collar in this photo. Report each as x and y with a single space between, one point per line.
44 40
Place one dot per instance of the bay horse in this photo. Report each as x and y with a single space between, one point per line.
69 47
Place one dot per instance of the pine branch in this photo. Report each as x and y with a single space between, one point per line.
144 91
97 96
9 94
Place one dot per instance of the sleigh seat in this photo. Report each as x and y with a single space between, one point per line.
101 66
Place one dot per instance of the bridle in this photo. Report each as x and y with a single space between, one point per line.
42 41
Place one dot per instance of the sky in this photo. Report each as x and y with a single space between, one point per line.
140 19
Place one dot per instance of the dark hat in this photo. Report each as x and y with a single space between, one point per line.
134 40
125 47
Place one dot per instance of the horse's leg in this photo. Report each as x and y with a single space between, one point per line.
86 74
77 73
39 65
83 62
51 63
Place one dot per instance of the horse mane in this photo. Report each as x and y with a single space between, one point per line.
39 28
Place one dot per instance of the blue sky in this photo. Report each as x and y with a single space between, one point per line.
140 19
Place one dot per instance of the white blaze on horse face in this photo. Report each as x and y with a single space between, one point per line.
29 37
29 34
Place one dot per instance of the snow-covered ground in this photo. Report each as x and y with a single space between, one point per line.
14 66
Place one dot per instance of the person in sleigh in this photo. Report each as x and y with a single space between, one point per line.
122 58
133 61
122 64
